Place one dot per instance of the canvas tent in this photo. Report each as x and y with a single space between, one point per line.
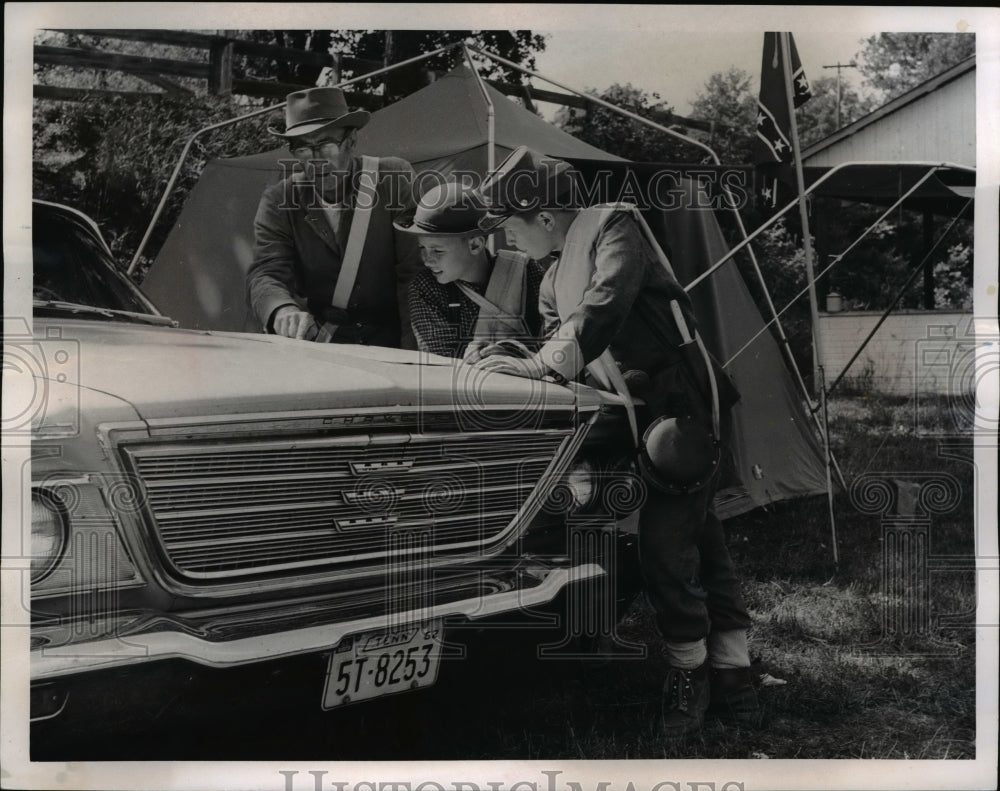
198 275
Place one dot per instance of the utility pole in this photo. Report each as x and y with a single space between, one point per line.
838 66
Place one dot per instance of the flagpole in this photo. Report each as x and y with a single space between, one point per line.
786 58
818 383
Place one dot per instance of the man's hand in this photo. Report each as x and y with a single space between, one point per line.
291 322
531 368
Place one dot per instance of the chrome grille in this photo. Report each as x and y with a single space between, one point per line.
224 509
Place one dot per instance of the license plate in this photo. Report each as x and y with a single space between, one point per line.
383 663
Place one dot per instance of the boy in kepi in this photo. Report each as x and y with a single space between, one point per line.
612 304
467 299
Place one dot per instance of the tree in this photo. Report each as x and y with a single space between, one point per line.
728 101
112 158
892 63
289 72
373 49
617 134
817 118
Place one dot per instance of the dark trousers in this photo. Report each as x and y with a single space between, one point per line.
686 568
688 574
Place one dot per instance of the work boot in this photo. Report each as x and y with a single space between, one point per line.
734 698
685 701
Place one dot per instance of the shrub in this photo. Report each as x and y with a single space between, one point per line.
113 158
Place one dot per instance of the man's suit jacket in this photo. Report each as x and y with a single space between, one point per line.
297 257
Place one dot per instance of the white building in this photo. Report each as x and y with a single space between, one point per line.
913 351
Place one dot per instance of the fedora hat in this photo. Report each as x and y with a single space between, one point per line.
315 109
449 209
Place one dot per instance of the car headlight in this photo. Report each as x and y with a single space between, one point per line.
575 491
48 534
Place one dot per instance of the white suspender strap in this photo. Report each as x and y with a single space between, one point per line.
493 311
605 370
363 203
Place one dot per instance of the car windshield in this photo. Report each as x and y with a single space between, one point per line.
72 265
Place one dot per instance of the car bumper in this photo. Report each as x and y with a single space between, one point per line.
235 639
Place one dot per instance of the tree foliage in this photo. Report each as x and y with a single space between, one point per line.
727 101
626 137
384 47
892 63
817 118
112 159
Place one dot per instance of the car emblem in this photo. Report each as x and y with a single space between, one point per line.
362 467
365 521
380 494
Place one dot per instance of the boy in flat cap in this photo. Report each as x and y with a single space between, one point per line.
327 265
466 299
611 302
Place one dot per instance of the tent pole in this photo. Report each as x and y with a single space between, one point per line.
733 208
838 258
803 209
919 268
786 347
829 464
730 200
491 134
171 183
598 101
490 113
811 188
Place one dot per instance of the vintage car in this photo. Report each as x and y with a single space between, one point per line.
217 500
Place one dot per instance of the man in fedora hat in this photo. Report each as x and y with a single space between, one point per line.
466 298
327 265
613 304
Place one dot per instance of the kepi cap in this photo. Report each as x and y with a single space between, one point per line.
526 181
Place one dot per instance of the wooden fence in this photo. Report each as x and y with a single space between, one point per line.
218 72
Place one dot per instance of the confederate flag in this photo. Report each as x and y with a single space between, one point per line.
772 147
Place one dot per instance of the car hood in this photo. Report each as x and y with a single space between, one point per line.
167 373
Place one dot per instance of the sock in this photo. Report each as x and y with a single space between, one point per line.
687 656
728 649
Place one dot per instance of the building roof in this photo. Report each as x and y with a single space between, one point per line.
911 96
